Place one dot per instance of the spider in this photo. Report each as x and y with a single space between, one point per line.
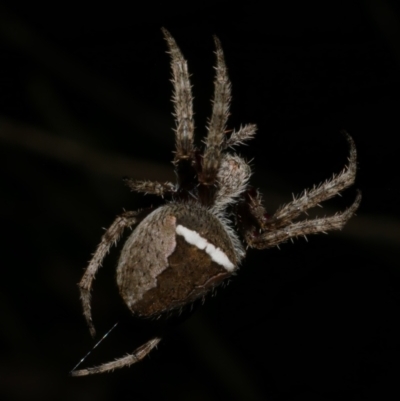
185 248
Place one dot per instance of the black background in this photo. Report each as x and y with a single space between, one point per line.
85 100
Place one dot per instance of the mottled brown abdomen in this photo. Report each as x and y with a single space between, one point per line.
177 254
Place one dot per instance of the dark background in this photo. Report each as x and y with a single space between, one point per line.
85 100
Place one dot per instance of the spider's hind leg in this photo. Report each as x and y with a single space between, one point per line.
127 360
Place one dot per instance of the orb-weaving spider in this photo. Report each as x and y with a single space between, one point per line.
180 251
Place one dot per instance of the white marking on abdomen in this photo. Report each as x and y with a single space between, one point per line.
216 254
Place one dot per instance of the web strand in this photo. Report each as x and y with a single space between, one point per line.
95 346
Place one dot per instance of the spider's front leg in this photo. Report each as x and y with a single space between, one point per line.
215 141
110 237
262 231
186 160
183 101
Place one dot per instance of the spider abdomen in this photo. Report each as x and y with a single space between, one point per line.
175 255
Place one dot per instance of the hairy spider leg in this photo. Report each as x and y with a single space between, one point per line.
215 139
127 360
109 238
262 231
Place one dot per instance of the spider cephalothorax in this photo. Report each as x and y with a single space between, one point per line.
180 251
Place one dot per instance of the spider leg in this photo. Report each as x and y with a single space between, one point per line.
183 101
311 198
127 360
272 238
214 142
244 134
262 231
151 187
110 237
